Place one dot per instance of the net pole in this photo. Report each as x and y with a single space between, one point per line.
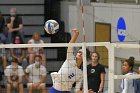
111 69
84 53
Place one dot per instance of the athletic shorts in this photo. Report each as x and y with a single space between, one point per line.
52 90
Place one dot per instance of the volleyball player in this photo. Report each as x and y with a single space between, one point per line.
70 71
127 85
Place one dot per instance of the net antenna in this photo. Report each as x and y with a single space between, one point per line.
85 85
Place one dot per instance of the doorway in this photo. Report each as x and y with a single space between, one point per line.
102 34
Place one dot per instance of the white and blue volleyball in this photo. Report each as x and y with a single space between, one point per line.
51 26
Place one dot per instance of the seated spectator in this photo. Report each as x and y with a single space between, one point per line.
0 81
36 50
3 58
3 66
14 74
2 30
14 24
36 75
2 41
19 53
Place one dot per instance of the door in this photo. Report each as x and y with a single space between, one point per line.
102 34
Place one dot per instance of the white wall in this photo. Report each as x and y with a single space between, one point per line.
110 13
106 13
71 15
88 23
65 14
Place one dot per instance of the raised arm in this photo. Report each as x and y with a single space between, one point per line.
74 37
73 40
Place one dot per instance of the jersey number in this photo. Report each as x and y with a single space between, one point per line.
72 75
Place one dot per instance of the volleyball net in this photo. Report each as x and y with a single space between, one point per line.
111 55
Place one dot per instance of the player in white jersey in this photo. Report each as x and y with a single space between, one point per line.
70 71
127 85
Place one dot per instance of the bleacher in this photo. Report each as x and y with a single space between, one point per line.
34 14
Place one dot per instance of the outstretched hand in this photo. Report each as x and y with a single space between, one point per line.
75 30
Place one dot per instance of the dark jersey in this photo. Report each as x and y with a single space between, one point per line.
93 73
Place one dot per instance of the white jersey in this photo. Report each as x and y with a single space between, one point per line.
35 73
32 41
128 84
68 74
9 72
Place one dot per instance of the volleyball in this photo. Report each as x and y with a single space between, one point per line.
51 26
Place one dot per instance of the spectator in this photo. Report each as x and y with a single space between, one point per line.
19 53
3 60
96 74
2 30
36 50
14 24
14 74
0 81
36 75
127 85
2 40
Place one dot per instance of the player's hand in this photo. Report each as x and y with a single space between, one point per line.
14 78
15 84
75 30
